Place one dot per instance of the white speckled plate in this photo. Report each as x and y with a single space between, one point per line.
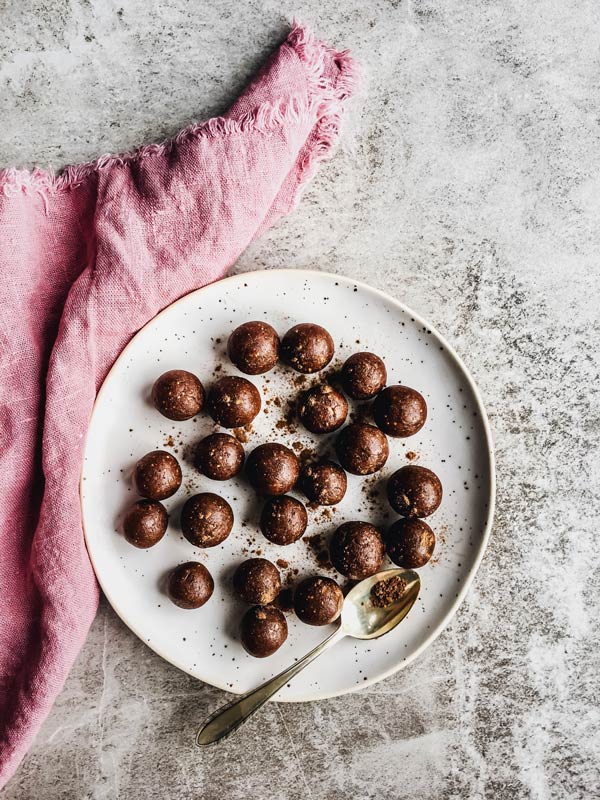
192 334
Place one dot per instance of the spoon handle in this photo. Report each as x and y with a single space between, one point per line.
229 717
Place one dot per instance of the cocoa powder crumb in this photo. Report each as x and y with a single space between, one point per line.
411 455
306 456
299 381
386 592
333 374
285 600
320 551
281 562
315 542
241 434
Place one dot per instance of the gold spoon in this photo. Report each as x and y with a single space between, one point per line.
360 619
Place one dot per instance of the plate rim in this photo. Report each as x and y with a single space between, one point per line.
458 600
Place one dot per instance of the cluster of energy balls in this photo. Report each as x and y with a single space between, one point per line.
357 548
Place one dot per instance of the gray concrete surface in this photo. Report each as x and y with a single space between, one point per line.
468 185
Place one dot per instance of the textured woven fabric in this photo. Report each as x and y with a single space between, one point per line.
86 259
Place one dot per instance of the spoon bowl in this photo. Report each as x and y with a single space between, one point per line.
362 619
371 608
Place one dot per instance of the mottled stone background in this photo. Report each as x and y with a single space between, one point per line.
468 185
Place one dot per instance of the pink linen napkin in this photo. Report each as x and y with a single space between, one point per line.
86 259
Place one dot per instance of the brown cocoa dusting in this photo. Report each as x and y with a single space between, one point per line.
315 542
368 485
241 434
324 514
299 381
306 456
218 368
386 592
288 422
411 455
332 375
281 562
285 600
319 549
288 577
297 446
440 539
217 341
169 441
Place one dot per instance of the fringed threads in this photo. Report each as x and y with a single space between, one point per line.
264 118
328 99
331 97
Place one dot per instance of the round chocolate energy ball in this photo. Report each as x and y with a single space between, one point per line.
263 630
362 449
323 409
357 550
206 520
233 402
254 347
257 581
283 520
145 523
324 483
272 469
190 585
307 347
400 411
178 395
410 543
157 475
414 491
219 456
363 375
318 601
